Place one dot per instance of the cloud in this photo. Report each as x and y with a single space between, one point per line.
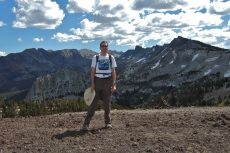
20 39
76 6
157 4
217 37
44 14
62 37
37 39
2 53
2 23
135 22
220 8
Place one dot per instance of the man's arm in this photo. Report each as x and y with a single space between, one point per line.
114 80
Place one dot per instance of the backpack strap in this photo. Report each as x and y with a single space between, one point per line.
97 56
110 59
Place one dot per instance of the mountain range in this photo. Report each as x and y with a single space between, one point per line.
142 73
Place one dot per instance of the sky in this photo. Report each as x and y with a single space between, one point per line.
83 24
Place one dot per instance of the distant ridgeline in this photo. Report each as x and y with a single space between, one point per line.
143 74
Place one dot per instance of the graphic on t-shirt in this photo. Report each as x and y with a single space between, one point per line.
103 64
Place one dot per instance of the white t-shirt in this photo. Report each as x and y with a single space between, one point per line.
103 65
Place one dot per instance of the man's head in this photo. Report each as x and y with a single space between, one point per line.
104 46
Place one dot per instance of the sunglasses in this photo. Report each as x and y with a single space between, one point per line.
104 46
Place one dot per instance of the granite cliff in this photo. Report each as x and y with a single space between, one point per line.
64 83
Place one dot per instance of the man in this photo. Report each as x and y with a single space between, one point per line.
103 79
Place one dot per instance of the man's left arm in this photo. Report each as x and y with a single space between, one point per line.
114 80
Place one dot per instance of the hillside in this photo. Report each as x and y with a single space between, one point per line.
204 129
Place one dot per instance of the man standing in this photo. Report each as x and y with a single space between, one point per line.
103 79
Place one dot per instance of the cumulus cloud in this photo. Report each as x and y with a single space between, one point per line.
76 6
2 53
217 37
2 23
220 8
44 14
20 39
38 40
62 37
135 22
157 4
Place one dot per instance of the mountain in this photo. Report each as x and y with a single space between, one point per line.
18 71
142 73
147 72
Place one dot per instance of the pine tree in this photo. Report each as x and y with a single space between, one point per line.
1 104
10 110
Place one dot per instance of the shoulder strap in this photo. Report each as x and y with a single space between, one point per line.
110 59
97 56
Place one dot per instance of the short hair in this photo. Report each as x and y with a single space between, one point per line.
104 42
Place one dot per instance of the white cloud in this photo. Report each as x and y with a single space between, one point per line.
195 5
20 39
157 4
135 22
220 8
217 37
62 37
2 53
44 14
80 6
2 23
38 40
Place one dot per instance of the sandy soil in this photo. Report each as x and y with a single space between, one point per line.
189 130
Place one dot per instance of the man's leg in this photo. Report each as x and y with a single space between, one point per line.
92 109
106 98
93 106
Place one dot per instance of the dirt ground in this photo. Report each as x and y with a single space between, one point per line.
205 130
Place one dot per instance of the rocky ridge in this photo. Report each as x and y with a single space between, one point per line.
145 72
64 83
18 71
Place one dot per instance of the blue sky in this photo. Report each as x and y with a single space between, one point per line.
79 24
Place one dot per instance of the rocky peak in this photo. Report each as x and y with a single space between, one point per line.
64 83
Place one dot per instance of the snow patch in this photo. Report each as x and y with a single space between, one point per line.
156 65
142 59
216 66
171 85
129 57
207 72
211 59
194 57
183 66
227 74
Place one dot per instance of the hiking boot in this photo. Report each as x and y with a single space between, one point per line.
108 126
85 127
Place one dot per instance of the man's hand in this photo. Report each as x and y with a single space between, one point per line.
114 88
92 88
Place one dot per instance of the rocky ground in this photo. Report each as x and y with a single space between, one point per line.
205 129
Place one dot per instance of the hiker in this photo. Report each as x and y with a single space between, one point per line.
103 79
